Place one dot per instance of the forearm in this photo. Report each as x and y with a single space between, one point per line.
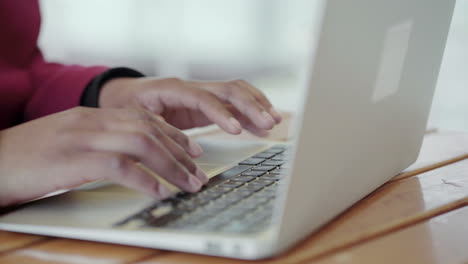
56 87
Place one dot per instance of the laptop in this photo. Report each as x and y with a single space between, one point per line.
372 72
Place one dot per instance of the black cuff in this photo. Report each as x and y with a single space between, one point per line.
90 95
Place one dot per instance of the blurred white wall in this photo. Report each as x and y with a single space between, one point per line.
201 39
257 40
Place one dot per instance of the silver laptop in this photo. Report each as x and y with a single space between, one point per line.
373 69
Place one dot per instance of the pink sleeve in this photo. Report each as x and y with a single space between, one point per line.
56 87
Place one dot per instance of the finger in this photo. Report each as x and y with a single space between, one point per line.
188 144
119 169
262 99
146 149
154 128
207 103
247 124
243 100
179 152
157 127
183 118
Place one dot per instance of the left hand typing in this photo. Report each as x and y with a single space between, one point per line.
231 105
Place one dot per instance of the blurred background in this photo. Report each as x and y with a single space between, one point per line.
263 41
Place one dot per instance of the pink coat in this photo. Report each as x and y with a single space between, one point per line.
30 87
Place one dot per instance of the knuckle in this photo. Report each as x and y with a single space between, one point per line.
203 96
144 127
238 82
170 166
179 154
237 89
189 165
174 81
118 163
228 90
142 141
81 113
181 138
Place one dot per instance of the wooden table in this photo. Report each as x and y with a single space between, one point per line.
421 216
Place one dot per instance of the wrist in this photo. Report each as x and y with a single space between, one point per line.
116 93
91 95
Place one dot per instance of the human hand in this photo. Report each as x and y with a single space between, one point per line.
187 104
80 145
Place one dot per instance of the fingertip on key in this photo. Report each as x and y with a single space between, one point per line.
194 183
235 127
201 176
195 149
276 116
164 191
161 192
269 122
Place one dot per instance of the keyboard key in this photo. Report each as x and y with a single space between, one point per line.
219 203
237 196
231 184
245 191
251 205
252 161
271 177
261 182
278 157
187 206
278 171
264 155
252 187
264 168
273 163
253 173
183 196
243 179
236 170
209 195
273 151
279 147
220 189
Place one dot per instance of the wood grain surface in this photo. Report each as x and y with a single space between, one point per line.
442 239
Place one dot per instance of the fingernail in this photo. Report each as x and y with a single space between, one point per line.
201 176
195 148
263 133
195 184
267 117
275 114
235 125
163 191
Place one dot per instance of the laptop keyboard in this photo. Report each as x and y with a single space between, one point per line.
238 200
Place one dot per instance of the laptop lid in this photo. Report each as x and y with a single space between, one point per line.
370 88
